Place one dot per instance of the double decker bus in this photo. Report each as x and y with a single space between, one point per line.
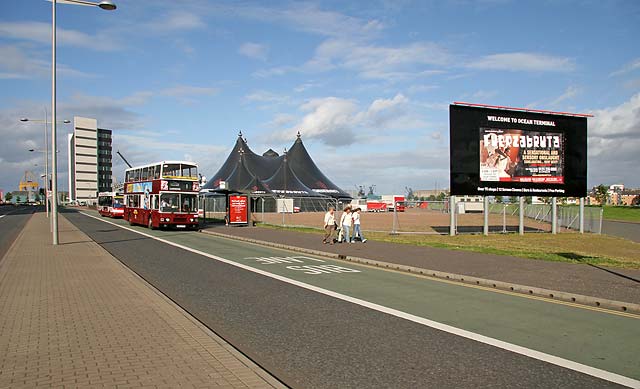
111 204
162 195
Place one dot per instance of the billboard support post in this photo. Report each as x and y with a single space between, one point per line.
505 151
485 207
521 216
452 215
582 215
554 215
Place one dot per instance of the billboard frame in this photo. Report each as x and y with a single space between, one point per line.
468 121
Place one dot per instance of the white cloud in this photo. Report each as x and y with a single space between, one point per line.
281 120
528 62
186 93
371 61
254 50
268 100
335 121
41 32
177 20
614 141
15 63
628 68
569 93
329 119
309 18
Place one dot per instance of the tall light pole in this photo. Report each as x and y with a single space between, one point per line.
106 5
46 152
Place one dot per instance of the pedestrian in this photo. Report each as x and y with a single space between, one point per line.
329 226
345 224
355 215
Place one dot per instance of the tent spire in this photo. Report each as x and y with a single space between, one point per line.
240 133
298 134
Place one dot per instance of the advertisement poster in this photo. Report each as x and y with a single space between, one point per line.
139 187
521 156
238 209
516 152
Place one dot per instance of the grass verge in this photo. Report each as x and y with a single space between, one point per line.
601 250
627 214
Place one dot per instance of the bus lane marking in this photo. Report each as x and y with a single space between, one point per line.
301 265
531 353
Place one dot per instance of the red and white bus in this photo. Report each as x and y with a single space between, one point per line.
111 204
162 195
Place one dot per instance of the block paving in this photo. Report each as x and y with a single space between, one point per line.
72 315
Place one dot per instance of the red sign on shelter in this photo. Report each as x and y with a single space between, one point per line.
238 209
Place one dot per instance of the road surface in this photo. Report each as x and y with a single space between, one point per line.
12 220
314 322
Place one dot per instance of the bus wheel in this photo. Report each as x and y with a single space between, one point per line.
150 224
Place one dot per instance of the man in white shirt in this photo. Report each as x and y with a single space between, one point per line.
329 226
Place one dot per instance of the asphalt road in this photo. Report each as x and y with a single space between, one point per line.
627 230
311 340
12 220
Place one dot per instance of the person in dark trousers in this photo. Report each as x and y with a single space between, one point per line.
329 226
355 216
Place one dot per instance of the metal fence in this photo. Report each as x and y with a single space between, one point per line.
418 217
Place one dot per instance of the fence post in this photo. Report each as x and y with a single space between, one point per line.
554 215
504 218
521 216
601 215
394 229
452 215
485 229
582 215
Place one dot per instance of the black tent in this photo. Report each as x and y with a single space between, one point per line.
307 171
294 173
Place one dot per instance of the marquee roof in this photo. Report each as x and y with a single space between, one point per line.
293 174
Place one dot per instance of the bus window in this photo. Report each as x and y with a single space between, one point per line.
145 174
189 171
169 202
155 170
117 202
171 170
136 175
134 201
154 201
105 201
189 202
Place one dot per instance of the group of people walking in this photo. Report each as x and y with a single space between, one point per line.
350 217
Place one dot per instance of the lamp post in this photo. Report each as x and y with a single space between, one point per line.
46 152
106 5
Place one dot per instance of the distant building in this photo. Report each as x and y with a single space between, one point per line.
630 197
425 193
90 161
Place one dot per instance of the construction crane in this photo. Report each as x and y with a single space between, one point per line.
125 161
28 182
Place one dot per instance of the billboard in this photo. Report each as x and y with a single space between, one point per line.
238 209
517 153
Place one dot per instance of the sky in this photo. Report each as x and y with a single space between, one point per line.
367 83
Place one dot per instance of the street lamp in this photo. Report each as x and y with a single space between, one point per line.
46 152
106 5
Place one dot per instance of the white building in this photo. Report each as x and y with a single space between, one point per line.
89 161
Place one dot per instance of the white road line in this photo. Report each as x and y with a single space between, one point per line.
592 371
1 216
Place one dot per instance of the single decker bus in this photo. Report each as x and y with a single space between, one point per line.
111 204
162 195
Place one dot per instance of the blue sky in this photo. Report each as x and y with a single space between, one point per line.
367 83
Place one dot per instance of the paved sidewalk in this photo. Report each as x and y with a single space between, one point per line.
581 279
72 315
